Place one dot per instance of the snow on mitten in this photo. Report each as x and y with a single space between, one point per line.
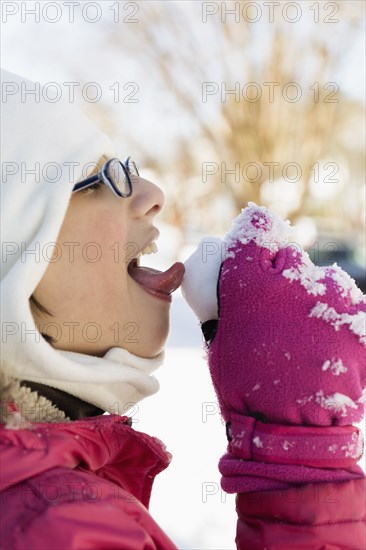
287 357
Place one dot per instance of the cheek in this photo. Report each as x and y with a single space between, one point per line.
92 265
105 227
103 252
101 236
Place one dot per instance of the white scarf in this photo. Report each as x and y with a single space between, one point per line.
114 383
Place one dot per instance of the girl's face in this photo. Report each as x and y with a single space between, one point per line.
94 302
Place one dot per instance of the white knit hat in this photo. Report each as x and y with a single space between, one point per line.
46 148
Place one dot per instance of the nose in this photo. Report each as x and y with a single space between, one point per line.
147 199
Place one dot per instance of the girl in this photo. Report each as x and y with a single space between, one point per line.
83 329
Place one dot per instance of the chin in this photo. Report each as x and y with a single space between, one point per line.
156 346
155 350
152 337
150 354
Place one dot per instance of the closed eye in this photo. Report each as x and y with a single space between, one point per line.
94 187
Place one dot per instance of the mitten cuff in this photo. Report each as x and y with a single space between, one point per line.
312 446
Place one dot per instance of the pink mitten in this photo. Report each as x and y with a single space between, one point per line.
287 360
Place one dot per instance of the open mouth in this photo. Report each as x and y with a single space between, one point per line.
159 283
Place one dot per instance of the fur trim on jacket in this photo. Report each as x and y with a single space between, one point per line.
19 405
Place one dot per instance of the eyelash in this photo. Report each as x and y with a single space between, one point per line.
94 187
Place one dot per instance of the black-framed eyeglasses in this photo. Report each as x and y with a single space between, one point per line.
115 174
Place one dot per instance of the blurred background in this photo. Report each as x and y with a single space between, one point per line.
220 103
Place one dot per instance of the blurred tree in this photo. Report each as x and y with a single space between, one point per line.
265 125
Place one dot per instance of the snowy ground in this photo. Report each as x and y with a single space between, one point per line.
187 500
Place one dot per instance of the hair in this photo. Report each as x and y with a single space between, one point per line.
99 165
34 303
43 311
37 305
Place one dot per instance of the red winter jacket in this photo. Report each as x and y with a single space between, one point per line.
87 483
80 485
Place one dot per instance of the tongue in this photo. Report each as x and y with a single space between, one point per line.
160 281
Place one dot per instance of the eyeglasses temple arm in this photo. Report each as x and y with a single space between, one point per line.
85 183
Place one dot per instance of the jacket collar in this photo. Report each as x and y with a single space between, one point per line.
73 407
106 445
